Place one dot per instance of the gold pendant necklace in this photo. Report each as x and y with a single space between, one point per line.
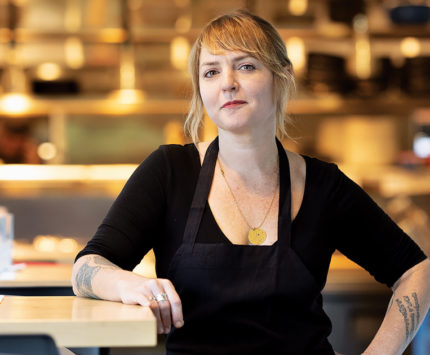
256 235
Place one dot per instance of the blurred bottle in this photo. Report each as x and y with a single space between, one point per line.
16 144
6 239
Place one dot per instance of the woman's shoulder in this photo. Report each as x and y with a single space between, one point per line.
177 157
168 157
177 148
322 176
319 167
175 152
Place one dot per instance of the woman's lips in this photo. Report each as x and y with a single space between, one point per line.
232 104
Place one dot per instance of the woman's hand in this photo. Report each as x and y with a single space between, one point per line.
144 291
96 277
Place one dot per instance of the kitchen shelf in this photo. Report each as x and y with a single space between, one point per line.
165 35
104 35
388 180
324 105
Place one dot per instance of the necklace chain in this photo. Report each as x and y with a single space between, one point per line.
237 204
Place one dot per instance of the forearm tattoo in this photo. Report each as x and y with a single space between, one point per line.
87 272
410 310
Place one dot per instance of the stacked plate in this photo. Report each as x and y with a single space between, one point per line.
416 76
384 75
326 73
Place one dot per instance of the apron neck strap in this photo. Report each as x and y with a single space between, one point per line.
204 184
284 213
201 194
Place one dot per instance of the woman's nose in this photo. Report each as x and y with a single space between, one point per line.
229 81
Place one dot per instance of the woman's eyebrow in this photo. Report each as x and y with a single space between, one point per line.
208 64
236 59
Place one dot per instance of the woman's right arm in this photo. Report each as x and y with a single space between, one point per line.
96 277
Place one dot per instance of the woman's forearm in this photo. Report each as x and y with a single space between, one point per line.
96 277
407 309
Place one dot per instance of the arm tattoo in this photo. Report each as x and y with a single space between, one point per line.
103 262
83 280
417 306
87 272
410 313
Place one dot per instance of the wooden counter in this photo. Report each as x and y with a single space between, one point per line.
41 275
44 279
79 322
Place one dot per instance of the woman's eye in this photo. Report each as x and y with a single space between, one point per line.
247 67
209 73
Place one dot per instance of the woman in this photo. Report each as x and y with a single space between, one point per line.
243 231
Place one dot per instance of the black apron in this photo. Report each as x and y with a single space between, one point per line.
240 299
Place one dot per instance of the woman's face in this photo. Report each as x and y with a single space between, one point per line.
237 91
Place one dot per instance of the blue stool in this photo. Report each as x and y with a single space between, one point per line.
30 344
421 343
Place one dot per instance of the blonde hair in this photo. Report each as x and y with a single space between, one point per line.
242 31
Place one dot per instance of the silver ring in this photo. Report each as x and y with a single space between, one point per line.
152 298
161 297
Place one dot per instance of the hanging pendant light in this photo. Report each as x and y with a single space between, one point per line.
15 99
127 94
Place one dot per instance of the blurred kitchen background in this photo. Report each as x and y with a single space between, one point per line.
88 88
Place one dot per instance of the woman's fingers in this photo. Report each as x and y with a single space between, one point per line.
163 305
160 295
175 304
145 300
156 311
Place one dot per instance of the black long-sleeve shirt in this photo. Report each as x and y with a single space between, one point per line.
152 209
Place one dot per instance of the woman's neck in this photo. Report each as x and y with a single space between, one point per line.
249 155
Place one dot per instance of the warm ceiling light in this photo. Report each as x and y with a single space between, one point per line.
127 72
362 58
48 71
47 151
179 50
15 103
74 52
45 243
67 245
127 96
298 7
297 53
363 54
410 47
